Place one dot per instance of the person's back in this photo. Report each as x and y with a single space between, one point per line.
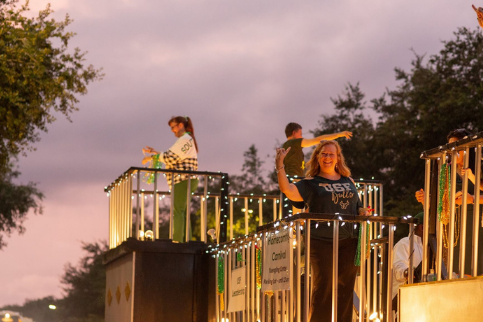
294 161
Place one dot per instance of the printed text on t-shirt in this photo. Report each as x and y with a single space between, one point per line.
339 191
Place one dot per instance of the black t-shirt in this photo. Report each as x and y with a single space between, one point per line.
327 196
294 160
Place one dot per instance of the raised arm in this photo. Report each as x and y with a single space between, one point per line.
310 142
289 189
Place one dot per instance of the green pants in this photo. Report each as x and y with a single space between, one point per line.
179 210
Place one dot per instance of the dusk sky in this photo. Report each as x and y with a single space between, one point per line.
240 69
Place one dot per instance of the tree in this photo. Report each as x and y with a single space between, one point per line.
85 286
358 151
252 179
16 200
84 298
37 80
433 98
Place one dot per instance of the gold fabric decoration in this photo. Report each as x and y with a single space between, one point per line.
118 295
109 297
127 291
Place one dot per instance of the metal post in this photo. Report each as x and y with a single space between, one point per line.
224 203
130 204
451 224
204 210
427 182
231 217
390 246
188 219
476 213
307 270
464 212
411 255
156 206
138 210
335 269
439 232
246 215
362 300
298 264
217 302
171 210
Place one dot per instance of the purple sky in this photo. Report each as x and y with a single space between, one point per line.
240 69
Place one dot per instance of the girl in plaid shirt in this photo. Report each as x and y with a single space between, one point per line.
183 155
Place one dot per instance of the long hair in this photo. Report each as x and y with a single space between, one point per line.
313 166
188 126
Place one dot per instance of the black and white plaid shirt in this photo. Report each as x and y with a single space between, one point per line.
173 161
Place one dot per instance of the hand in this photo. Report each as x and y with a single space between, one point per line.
280 156
420 196
147 159
459 198
149 149
365 211
466 170
346 134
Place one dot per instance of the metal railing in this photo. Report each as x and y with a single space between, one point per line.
444 154
128 193
129 216
260 303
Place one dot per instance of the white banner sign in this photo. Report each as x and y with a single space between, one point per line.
277 258
236 300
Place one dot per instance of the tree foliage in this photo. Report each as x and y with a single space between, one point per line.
437 95
16 200
85 286
39 77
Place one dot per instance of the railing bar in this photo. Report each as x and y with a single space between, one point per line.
451 224
156 208
231 217
246 216
274 212
298 272
439 230
464 212
476 212
129 196
143 228
138 209
390 259
217 218
253 288
427 182
335 269
307 270
362 299
204 218
188 210
411 252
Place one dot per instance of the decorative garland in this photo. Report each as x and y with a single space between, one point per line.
444 188
357 259
221 281
239 257
258 266
154 164
444 213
